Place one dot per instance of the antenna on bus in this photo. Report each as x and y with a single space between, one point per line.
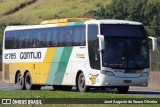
64 20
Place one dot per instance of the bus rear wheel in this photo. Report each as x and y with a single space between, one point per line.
81 83
20 81
28 83
122 89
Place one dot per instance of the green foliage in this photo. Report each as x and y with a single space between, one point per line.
145 11
151 31
50 9
9 5
2 27
155 55
155 60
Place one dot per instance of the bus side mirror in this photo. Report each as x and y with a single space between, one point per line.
154 43
101 42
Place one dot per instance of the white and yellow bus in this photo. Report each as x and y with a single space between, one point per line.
80 52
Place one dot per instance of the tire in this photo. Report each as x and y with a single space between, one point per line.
81 83
20 81
122 89
63 88
28 83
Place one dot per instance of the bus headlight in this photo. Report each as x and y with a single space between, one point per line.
145 74
109 73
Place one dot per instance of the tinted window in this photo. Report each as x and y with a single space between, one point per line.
55 37
93 46
28 37
83 38
79 35
123 30
16 40
8 36
46 37
40 34
68 36
49 36
13 38
61 35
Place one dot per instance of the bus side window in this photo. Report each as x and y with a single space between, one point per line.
83 39
49 35
77 37
27 38
21 39
40 37
12 40
35 43
61 37
15 41
74 37
28 42
32 37
8 36
67 35
55 37
23 42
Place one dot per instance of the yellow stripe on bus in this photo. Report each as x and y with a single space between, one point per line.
62 24
49 54
45 66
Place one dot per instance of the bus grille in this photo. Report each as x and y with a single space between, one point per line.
6 72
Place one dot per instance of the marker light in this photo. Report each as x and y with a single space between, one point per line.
145 74
109 73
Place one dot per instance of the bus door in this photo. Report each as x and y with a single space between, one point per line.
93 46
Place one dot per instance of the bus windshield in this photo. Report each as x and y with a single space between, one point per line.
126 52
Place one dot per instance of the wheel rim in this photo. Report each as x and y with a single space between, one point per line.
28 81
19 80
82 82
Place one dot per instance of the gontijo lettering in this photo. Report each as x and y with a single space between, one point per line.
30 55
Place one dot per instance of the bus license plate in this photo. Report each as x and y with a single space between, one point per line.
127 81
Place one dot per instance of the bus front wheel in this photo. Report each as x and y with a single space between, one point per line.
122 89
81 83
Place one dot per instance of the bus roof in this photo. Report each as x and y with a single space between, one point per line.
113 21
66 20
90 21
71 21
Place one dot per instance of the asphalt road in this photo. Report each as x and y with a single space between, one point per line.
132 91
147 93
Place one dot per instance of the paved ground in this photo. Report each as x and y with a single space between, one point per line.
151 91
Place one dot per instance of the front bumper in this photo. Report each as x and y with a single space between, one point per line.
104 80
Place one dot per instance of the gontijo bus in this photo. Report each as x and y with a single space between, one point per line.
80 52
